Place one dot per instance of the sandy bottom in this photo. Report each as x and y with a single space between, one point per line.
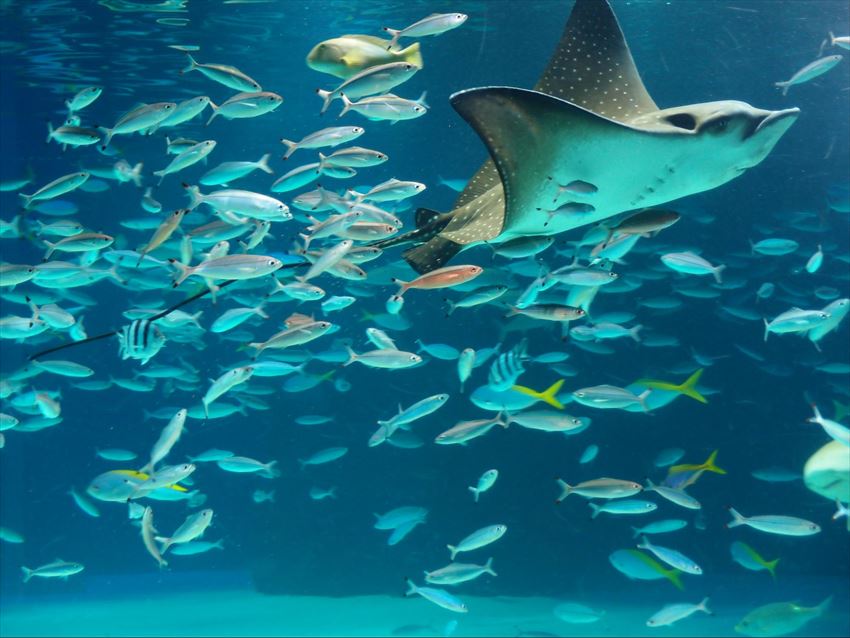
124 610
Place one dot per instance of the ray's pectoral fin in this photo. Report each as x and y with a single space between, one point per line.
527 133
433 254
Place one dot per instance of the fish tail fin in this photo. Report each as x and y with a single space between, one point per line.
49 132
689 387
402 285
412 55
196 198
595 509
136 174
824 605
642 399
636 531
549 393
709 465
395 33
634 332
566 490
107 137
166 543
184 271
346 104
27 200
453 550
27 573
263 164
766 329
352 356
271 471
547 396
488 567
831 38
771 567
50 248
192 64
718 273
674 576
411 587
326 99
291 147
703 606
737 518
474 491
215 111
302 463
817 418
421 100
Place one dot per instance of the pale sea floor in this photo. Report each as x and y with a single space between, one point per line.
146 606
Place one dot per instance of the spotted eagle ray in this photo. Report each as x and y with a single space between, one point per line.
589 121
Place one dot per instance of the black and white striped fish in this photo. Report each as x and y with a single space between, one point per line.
507 368
140 340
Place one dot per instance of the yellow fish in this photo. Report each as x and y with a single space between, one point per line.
548 395
350 54
707 466
688 388
681 476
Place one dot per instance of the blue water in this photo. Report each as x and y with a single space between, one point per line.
687 52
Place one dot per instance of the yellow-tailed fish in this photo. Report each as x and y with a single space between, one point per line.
548 395
749 558
144 477
707 466
688 388
670 574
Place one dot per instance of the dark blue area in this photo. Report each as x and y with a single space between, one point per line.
687 51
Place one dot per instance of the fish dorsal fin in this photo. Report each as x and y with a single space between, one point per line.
593 67
297 319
